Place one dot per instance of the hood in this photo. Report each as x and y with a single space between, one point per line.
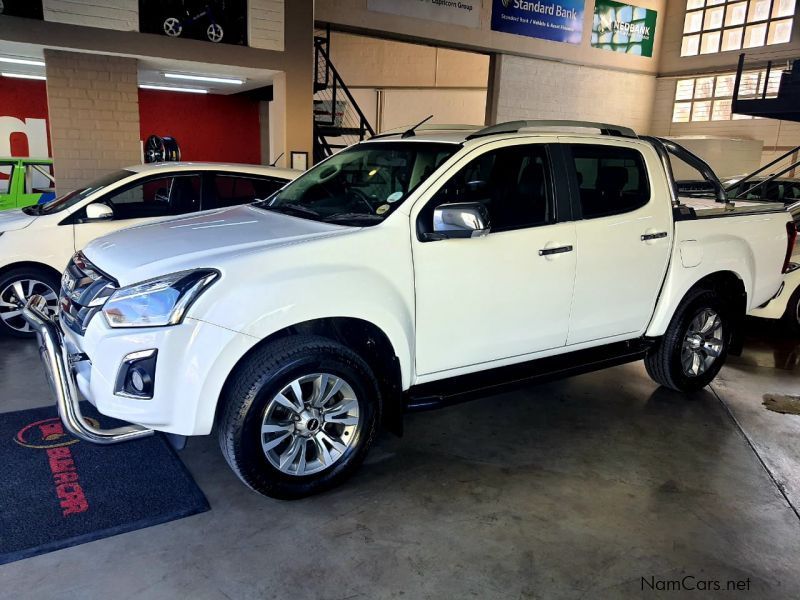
12 220
200 240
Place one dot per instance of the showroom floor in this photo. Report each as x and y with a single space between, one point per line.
574 489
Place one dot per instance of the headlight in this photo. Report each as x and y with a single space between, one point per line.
157 302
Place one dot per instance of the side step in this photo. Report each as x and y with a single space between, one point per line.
455 390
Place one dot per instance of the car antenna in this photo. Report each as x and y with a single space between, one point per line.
275 162
410 132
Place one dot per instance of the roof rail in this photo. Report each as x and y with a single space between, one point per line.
428 127
516 126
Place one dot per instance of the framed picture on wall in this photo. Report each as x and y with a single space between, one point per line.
299 161
216 21
31 9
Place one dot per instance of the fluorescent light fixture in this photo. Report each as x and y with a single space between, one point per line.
166 88
24 76
22 61
204 78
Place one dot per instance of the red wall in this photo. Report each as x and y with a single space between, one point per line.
23 99
208 127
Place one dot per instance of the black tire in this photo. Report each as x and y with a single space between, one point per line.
791 317
663 361
258 379
11 326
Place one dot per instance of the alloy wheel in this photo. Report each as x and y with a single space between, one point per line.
703 343
309 425
172 27
214 32
15 296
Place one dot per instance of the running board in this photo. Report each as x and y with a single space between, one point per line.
455 390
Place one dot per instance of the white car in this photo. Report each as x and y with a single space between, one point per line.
402 273
37 242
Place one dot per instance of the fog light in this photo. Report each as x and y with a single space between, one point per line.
136 375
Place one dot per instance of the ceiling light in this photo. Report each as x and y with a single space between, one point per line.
22 61
166 88
24 76
204 78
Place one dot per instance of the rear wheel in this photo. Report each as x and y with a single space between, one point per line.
695 345
16 288
298 416
792 315
172 27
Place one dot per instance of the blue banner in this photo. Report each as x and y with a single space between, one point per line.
556 20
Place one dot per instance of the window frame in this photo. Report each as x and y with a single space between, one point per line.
577 206
559 203
10 191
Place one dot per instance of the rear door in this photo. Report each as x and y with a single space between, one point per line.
624 234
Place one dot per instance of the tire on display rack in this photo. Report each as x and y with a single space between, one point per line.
298 416
695 345
161 149
16 287
791 317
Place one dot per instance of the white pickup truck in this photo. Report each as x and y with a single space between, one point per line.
405 272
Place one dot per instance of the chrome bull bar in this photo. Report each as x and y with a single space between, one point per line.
62 380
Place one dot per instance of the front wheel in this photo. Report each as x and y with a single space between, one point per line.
695 345
172 27
16 288
298 416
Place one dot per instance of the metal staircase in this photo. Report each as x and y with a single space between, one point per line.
338 120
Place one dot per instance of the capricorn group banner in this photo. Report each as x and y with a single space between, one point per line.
623 28
558 21
455 12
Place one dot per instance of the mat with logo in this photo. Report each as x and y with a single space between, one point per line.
57 491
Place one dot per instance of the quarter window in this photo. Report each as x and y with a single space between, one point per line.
612 180
513 183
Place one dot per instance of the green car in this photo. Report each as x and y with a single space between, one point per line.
26 181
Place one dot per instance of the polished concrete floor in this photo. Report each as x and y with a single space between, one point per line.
576 489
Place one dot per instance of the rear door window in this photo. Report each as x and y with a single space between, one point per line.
611 180
232 190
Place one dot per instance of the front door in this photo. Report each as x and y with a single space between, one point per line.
624 237
139 203
504 295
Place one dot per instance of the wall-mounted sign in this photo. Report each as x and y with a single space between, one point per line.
623 28
456 12
558 20
216 21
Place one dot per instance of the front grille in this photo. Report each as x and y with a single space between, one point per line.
84 290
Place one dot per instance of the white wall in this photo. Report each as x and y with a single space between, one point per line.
529 88
122 15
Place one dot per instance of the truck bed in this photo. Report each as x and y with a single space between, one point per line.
706 208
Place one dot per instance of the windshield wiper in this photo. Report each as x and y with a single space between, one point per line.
353 216
291 209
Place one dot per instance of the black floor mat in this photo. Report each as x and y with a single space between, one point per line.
56 491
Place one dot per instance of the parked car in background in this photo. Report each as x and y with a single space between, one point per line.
406 272
782 189
26 181
37 241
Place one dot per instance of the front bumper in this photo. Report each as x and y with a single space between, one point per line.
59 369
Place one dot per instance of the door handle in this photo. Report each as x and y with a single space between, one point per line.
654 236
556 250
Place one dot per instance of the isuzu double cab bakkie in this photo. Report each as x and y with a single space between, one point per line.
405 272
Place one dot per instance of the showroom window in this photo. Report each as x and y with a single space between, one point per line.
612 180
709 98
513 183
712 26
231 190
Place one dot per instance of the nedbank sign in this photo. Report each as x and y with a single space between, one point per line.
455 12
558 21
623 28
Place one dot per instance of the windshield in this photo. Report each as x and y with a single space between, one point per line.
75 196
363 185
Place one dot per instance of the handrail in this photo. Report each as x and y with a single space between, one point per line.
769 179
765 167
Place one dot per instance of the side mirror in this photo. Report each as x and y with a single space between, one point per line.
99 212
460 220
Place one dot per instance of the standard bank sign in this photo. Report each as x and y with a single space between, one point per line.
558 21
